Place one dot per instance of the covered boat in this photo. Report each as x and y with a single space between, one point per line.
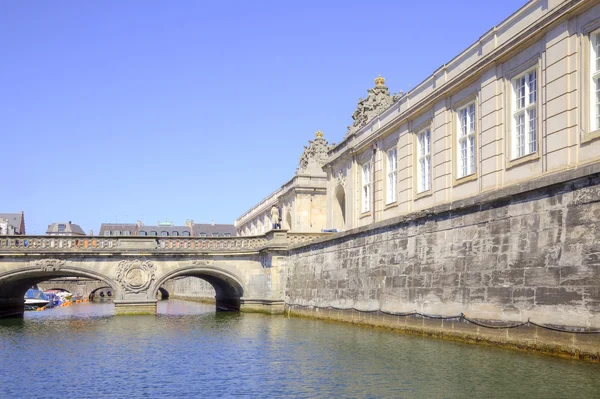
35 298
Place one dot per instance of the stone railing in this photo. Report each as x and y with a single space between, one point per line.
301 238
115 244
275 238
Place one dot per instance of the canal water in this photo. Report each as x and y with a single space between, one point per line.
189 351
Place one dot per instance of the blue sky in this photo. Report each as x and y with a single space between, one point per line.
126 110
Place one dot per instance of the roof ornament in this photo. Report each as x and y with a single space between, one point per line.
377 101
314 156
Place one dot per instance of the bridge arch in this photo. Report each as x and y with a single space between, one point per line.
229 289
98 292
14 285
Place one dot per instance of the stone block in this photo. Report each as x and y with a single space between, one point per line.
500 295
558 296
542 276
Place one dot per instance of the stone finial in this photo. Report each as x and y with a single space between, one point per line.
319 134
379 81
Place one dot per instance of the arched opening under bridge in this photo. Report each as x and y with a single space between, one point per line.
226 288
14 285
101 294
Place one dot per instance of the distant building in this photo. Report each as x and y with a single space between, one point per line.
168 229
212 230
119 229
65 229
12 223
164 229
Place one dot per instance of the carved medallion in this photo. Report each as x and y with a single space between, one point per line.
48 265
135 275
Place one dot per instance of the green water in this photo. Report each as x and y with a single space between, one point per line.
189 351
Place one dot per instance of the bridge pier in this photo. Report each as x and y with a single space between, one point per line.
134 306
12 307
269 306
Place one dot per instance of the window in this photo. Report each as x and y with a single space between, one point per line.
143 233
524 131
185 234
366 187
227 234
203 235
424 160
116 233
175 233
153 233
164 233
106 232
595 83
215 234
392 172
126 233
61 228
466 140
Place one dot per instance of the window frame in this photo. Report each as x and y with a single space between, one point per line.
391 176
365 190
533 63
426 190
588 112
528 140
458 138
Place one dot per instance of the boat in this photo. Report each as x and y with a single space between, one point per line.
53 299
35 299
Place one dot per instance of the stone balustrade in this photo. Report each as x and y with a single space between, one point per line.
44 243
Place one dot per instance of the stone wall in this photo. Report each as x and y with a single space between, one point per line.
192 288
529 251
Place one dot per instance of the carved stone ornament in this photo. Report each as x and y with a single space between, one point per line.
48 265
135 275
203 262
377 101
341 179
314 156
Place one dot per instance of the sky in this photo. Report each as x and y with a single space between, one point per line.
118 111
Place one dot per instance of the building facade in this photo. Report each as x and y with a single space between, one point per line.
65 229
300 202
519 103
12 223
168 229
119 229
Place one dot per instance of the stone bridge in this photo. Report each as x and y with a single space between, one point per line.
248 273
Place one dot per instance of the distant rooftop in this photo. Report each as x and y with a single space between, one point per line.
62 228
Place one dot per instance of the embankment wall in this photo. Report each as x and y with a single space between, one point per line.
527 252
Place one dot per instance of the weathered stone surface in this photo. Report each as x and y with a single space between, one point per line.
535 254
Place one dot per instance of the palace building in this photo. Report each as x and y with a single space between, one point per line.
520 103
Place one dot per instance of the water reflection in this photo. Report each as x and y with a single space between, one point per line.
189 351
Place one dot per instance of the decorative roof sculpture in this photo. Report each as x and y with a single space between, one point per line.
378 100
314 156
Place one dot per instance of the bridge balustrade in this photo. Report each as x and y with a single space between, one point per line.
31 243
